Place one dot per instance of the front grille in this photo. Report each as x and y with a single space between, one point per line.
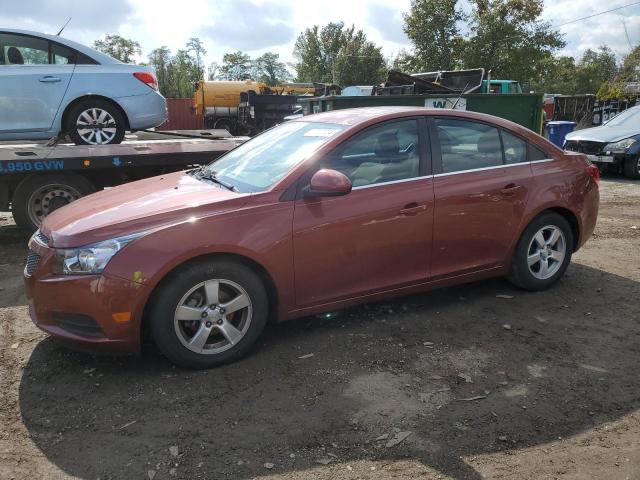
33 259
583 146
42 238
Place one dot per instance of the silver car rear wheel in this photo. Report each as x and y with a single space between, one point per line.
96 126
95 121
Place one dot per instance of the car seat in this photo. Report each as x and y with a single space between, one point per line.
390 163
489 150
15 56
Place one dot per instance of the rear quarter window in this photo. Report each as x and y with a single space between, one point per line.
515 149
82 59
61 55
536 154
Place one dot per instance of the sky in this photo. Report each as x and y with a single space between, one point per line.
257 26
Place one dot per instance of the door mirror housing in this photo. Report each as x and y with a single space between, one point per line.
328 183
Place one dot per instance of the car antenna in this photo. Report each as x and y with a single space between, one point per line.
66 23
459 96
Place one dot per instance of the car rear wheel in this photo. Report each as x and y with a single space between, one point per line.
209 313
38 196
631 167
95 122
543 252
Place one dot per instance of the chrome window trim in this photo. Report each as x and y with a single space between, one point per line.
544 160
493 168
423 177
404 180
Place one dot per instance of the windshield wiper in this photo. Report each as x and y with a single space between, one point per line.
208 175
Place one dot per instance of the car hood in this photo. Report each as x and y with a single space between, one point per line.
604 134
144 205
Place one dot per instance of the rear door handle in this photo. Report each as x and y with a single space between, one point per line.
412 209
511 189
49 79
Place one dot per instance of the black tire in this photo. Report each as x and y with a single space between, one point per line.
631 168
224 124
521 274
38 195
172 290
100 105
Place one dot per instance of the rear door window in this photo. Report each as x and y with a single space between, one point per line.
28 50
467 145
24 50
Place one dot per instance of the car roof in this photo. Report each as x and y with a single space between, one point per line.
100 57
360 118
364 115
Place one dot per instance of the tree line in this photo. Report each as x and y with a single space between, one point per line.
507 37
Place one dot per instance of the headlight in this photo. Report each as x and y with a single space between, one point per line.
91 259
621 146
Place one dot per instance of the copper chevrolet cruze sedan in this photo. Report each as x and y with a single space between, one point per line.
316 214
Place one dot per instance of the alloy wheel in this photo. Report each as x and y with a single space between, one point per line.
546 252
213 316
96 126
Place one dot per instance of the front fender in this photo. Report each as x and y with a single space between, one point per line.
261 234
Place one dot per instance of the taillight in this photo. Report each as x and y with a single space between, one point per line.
594 172
148 78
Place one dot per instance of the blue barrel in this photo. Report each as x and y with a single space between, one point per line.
557 130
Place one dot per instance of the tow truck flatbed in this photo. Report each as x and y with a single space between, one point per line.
33 158
36 178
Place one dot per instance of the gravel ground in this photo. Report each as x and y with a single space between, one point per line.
475 381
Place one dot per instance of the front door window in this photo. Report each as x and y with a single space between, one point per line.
381 154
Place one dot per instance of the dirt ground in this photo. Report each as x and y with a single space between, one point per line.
476 381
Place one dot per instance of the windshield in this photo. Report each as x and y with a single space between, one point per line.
628 117
256 165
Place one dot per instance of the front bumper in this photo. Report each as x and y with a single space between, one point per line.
595 152
607 159
98 313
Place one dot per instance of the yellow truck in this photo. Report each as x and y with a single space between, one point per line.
247 107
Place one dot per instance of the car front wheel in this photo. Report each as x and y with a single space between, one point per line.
208 313
543 252
631 167
95 122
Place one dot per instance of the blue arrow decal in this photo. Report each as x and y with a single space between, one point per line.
116 161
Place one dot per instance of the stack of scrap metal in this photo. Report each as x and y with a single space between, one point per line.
458 81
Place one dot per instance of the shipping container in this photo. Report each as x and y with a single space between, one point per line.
181 115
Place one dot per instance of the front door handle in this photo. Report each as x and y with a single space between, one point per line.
510 189
49 79
412 209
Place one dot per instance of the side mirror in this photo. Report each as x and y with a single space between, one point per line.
328 183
